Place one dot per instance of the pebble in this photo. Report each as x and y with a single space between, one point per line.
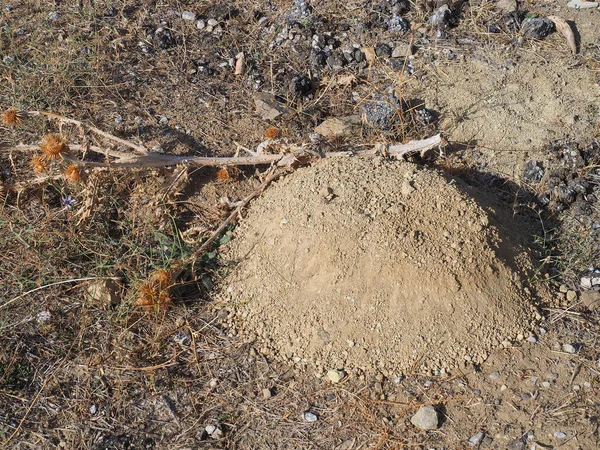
268 108
310 417
43 316
494 375
93 409
551 376
537 28
212 23
188 15
532 339
569 348
402 50
53 15
475 439
201 24
213 383
581 4
214 431
335 376
267 394
571 296
559 435
426 418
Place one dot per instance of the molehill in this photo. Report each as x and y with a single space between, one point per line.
370 264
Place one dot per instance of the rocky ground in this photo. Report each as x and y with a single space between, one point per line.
109 342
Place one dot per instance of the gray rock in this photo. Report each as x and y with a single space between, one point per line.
506 6
267 394
537 28
476 439
581 4
441 17
570 348
268 108
397 24
559 435
188 15
214 431
402 50
212 22
310 417
383 51
201 24
379 111
300 12
53 15
426 418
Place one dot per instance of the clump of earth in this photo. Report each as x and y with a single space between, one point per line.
371 264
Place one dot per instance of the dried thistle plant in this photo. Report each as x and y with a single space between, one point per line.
38 164
53 145
155 295
12 117
72 173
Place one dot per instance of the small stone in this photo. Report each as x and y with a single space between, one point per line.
559 435
532 339
43 316
426 418
503 387
402 51
310 417
338 126
546 384
105 292
188 15
201 24
487 441
475 439
494 375
53 15
571 296
335 376
93 409
569 348
506 6
267 394
537 28
563 288
119 120
590 299
212 22
581 4
214 431
213 383
442 17
407 188
268 108
383 51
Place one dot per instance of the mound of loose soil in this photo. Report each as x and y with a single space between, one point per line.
374 264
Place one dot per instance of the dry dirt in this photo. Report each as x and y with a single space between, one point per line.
347 264
377 265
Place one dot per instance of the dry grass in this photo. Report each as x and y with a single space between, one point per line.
154 361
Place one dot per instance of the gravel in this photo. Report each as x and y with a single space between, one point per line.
310 417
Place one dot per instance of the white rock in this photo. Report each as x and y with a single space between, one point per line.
201 24
569 348
426 418
580 4
559 435
267 394
43 316
335 376
212 22
310 417
188 15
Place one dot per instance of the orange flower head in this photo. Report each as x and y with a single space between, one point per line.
53 145
272 133
38 164
12 117
161 278
223 174
72 173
